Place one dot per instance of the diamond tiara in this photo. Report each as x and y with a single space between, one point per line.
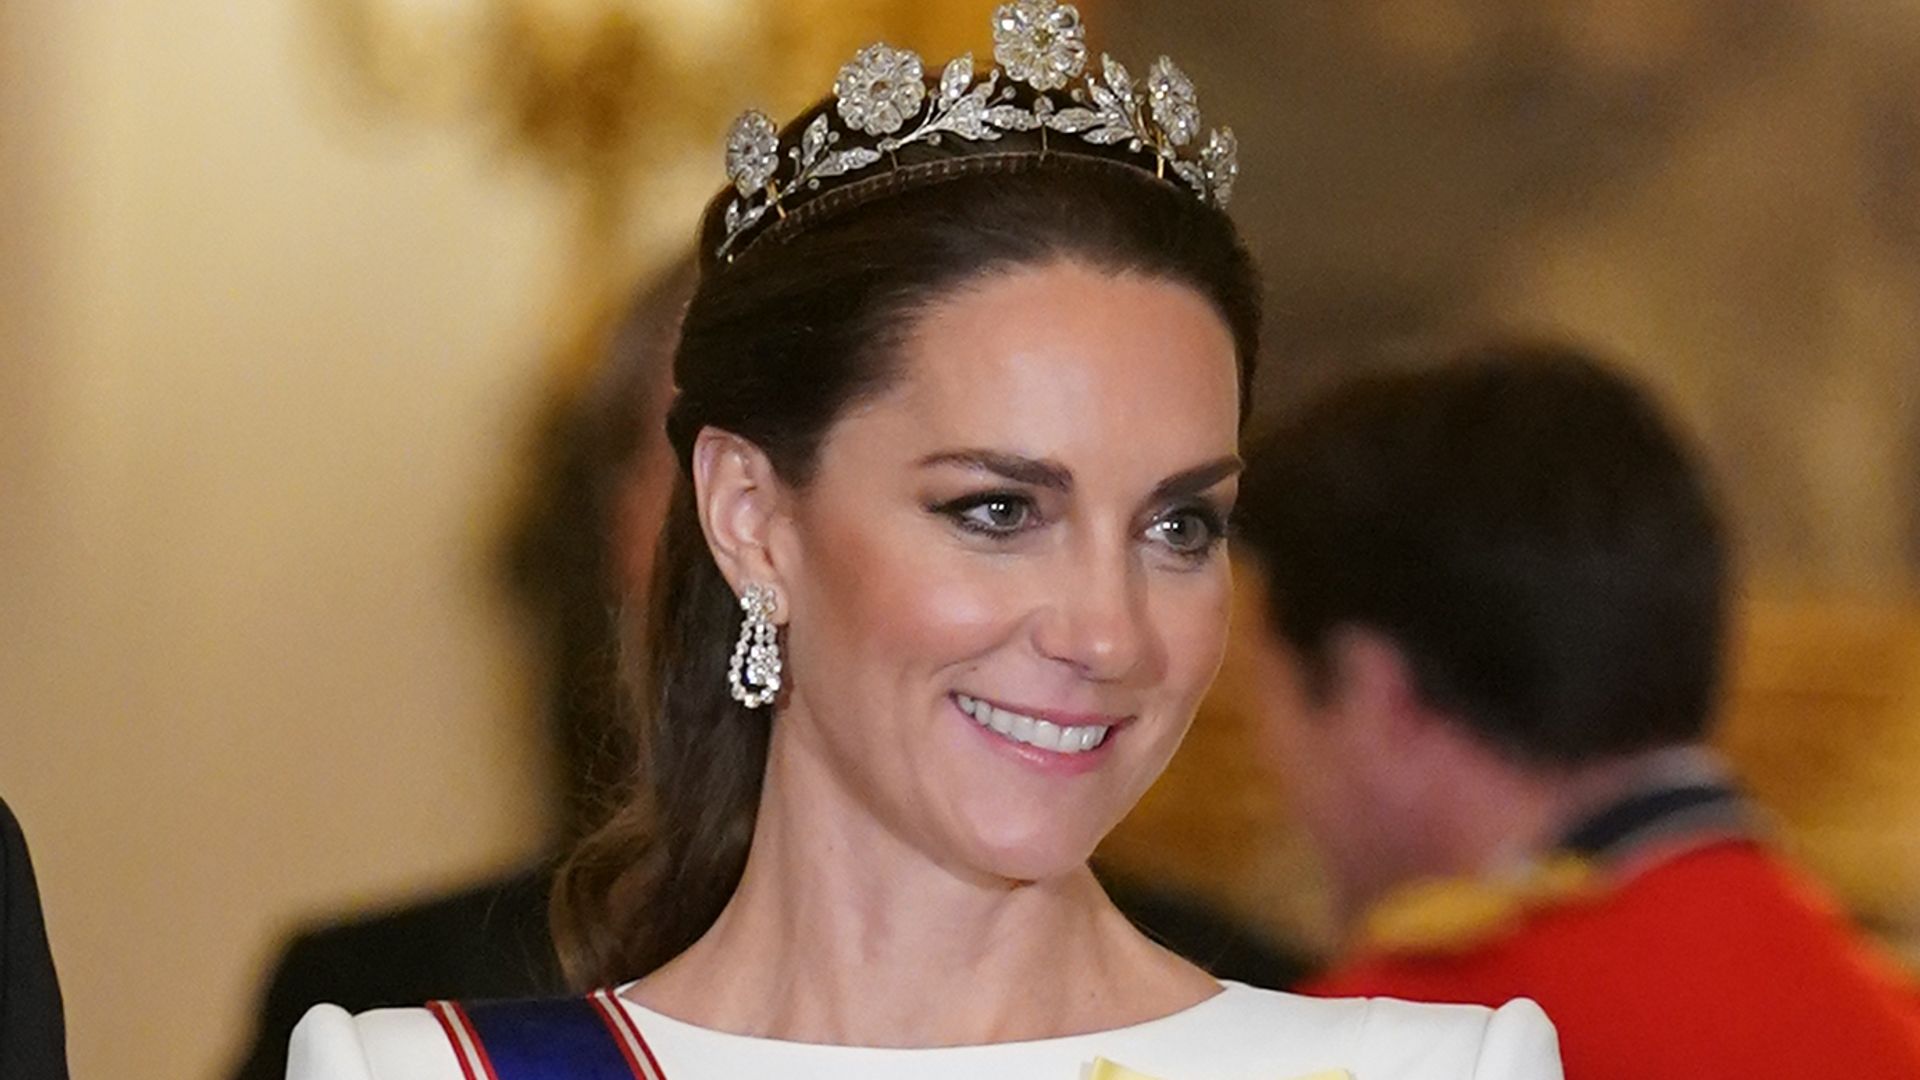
884 104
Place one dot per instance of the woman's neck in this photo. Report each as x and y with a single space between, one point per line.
843 932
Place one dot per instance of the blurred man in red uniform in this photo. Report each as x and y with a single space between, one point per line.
1495 595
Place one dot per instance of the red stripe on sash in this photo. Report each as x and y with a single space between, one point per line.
467 1048
627 1034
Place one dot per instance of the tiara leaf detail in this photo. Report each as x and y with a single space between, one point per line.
882 99
1175 107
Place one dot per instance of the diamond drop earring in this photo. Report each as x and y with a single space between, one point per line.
754 671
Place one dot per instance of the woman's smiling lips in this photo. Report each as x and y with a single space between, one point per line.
1058 735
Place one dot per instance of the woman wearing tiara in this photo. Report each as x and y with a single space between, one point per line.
959 395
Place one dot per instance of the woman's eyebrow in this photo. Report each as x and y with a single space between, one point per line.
1038 472
1197 479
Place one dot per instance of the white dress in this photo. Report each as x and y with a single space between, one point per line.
1242 1033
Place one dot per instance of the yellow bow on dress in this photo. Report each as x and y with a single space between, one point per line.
1107 1070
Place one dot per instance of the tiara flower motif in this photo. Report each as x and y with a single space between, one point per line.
882 99
753 152
880 89
1039 42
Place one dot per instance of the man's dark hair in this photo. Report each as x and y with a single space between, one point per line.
1525 525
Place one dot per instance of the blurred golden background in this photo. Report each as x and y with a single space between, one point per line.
285 284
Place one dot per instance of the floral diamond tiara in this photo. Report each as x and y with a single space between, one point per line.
884 104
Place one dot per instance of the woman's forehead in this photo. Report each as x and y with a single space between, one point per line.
1063 361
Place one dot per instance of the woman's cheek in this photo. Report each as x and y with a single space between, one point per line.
1194 617
949 602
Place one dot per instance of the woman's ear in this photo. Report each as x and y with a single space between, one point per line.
737 495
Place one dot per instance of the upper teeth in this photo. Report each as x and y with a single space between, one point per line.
1041 733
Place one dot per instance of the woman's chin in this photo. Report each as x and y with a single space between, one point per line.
1032 848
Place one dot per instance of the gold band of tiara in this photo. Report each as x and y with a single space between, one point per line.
883 103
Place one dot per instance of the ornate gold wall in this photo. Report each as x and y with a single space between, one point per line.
622 104
1824 722
1724 195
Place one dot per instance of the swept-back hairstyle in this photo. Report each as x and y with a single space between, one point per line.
776 345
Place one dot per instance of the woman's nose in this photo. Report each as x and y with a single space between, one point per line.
1097 619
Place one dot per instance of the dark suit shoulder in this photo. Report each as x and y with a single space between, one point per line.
33 1039
482 941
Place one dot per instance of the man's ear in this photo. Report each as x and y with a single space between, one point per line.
738 496
1373 685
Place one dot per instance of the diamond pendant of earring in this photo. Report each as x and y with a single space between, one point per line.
754 672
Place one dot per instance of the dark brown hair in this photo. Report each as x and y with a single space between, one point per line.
1525 524
776 345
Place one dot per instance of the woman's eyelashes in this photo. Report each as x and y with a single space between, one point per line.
991 513
1191 532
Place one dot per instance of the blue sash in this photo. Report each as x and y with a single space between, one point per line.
584 1038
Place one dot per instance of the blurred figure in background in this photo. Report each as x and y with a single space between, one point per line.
580 549
33 1039
1495 596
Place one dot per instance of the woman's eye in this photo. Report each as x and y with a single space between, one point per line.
995 515
1187 532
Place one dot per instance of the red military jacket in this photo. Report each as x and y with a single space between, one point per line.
1691 954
